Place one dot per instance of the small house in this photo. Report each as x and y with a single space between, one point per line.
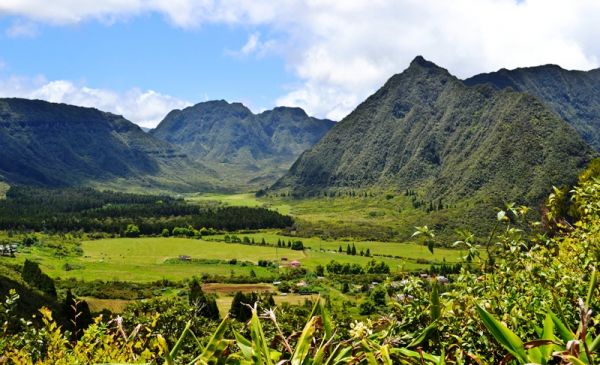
295 264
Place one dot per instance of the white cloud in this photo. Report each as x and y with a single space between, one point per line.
144 107
22 29
341 51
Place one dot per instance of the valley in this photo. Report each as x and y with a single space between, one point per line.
435 206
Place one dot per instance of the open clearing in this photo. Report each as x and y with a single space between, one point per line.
156 258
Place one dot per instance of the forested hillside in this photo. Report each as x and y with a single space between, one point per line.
574 95
52 144
426 131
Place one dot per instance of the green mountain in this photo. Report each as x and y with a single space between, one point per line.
426 130
60 145
574 95
247 149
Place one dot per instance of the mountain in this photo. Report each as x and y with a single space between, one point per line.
574 95
428 131
60 145
247 149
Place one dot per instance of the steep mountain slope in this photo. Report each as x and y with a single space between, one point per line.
426 130
574 95
58 145
245 148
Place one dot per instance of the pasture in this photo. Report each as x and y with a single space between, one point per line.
156 258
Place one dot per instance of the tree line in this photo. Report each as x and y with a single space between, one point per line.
89 210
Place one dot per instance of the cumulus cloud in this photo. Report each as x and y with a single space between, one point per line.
144 107
341 51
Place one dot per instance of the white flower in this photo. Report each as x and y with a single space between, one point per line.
359 330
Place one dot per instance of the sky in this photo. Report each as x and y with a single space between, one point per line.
143 58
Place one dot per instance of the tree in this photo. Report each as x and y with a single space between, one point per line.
297 245
132 231
368 253
320 270
204 306
165 232
345 287
263 242
340 249
33 275
378 296
78 315
353 250
348 250
239 307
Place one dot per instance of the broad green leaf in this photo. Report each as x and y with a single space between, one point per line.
177 346
415 355
503 335
260 347
547 334
215 345
244 344
423 335
595 345
591 289
434 301
565 334
303 345
385 355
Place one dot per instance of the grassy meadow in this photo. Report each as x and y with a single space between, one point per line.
155 258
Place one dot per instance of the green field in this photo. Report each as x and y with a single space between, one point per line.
156 258
237 200
150 259
380 216
407 251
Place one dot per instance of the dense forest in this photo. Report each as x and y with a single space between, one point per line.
74 209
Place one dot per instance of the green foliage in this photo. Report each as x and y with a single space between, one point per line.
297 245
78 315
33 275
204 306
132 231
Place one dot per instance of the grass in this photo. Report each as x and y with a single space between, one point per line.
407 251
240 200
236 200
149 259
156 258
383 216
114 305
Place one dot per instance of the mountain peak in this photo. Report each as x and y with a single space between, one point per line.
419 61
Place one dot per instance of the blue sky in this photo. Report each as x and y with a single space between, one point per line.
151 54
144 58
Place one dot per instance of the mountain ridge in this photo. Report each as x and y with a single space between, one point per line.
573 94
250 149
425 129
55 144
